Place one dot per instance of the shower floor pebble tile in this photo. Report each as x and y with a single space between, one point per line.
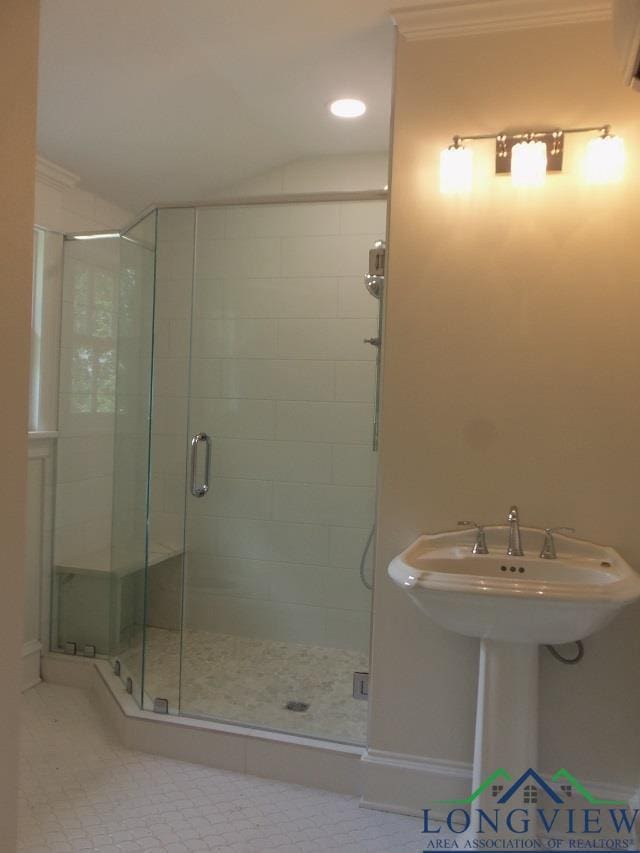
81 790
250 680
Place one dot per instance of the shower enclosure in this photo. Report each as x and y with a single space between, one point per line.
216 474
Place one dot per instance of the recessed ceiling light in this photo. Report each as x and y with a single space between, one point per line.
348 108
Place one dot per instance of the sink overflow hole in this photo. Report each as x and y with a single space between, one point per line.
513 569
293 705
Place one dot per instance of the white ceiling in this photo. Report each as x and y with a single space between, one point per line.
155 100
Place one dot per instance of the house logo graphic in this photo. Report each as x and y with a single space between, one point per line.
532 784
531 813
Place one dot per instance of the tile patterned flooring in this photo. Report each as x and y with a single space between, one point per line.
249 680
80 790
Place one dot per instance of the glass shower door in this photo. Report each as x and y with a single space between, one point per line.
275 616
168 459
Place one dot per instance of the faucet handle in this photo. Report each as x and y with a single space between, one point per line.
548 551
480 546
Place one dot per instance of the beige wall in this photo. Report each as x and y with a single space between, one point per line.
18 65
511 375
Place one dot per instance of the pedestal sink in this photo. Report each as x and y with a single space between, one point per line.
513 604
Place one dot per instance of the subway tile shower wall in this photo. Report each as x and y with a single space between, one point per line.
280 377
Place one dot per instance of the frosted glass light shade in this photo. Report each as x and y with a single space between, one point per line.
456 170
604 162
529 163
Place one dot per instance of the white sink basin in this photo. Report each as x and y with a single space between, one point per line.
515 599
512 604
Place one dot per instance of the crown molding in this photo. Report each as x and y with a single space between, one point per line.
55 176
436 19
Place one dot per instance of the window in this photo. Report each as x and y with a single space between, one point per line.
45 330
91 346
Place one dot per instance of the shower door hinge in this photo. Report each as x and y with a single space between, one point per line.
160 705
361 685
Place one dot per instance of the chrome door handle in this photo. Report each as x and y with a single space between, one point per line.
199 491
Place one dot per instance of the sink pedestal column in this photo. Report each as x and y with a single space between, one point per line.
507 715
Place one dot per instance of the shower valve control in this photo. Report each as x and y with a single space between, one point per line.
374 280
377 259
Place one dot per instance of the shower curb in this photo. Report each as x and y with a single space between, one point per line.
288 758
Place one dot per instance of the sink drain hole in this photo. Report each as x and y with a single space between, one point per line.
294 705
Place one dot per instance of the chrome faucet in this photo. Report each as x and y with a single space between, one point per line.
548 551
480 546
515 542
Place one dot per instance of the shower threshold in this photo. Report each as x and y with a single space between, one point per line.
289 758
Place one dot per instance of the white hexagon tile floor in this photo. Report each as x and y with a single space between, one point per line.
80 790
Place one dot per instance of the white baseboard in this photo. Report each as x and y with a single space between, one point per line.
31 653
407 784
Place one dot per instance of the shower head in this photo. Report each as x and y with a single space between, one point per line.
374 280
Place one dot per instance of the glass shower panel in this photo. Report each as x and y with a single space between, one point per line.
100 537
275 615
81 584
131 553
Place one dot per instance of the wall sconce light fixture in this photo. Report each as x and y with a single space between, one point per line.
528 157
529 163
604 162
456 168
